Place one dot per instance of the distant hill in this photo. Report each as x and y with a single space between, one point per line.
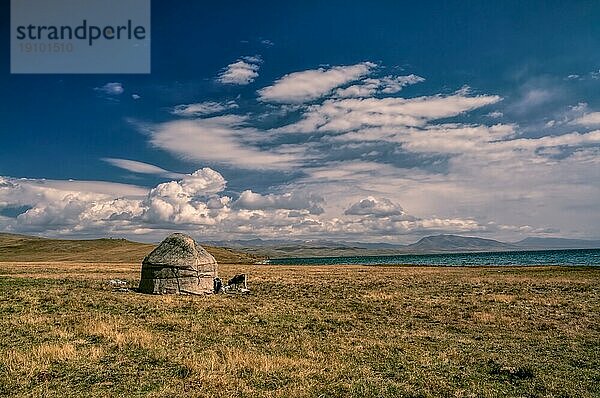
557 243
429 244
314 243
309 248
295 251
455 243
29 248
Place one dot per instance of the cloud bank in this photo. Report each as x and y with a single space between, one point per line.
350 158
195 203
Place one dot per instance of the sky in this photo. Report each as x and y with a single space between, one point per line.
346 121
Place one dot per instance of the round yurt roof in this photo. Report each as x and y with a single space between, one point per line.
179 250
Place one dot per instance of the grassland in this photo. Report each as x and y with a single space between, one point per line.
345 331
29 248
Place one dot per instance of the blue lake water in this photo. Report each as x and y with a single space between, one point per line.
571 257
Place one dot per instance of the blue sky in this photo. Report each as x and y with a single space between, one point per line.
345 120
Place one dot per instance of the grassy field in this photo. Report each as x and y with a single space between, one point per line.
344 331
29 248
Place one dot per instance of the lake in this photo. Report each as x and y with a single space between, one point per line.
571 257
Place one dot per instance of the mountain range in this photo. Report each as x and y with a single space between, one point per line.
428 244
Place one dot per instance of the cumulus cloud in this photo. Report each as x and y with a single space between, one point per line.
60 205
450 174
189 200
243 71
203 108
521 181
379 207
202 182
195 203
184 201
114 88
309 85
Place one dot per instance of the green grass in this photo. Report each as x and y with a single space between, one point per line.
303 332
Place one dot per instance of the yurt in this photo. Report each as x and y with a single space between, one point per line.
178 265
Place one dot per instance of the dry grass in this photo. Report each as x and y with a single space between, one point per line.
303 332
28 248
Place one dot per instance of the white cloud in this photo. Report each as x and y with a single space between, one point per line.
371 86
194 203
202 182
243 71
114 88
487 142
451 176
491 173
136 96
442 138
339 200
351 114
512 189
222 139
580 107
378 207
309 85
55 207
203 108
184 201
393 84
93 187
140 167
495 114
589 119
291 201
454 177
367 88
58 205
